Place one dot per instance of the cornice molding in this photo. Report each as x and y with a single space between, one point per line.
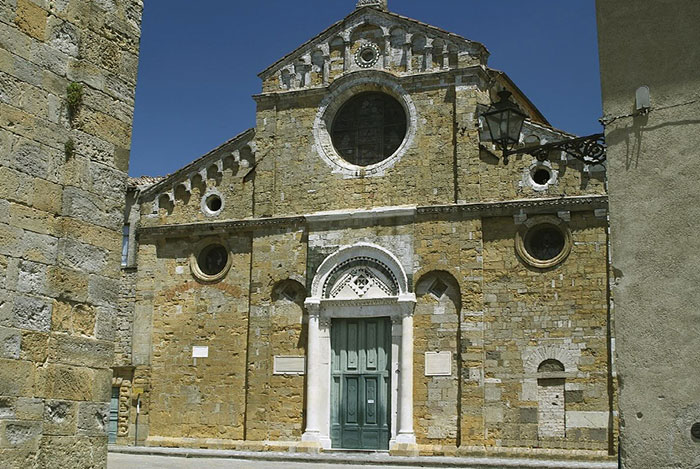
500 208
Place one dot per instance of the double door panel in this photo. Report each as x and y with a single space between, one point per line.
360 382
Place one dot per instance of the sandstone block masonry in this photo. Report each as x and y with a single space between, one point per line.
67 80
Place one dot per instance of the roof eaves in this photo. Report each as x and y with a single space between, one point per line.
502 75
188 168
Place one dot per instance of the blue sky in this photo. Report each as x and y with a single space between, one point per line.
200 59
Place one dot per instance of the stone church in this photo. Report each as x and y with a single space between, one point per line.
361 270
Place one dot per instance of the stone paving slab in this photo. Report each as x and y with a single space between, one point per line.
348 459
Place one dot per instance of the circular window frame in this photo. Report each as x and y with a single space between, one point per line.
205 208
357 83
194 264
359 55
535 223
529 175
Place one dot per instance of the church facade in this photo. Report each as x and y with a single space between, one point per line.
362 271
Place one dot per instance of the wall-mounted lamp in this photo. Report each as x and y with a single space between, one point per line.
505 120
642 100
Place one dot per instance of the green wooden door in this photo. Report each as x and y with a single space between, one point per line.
360 383
113 416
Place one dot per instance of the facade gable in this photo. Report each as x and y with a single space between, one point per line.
371 39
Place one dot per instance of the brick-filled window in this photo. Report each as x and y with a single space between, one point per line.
551 411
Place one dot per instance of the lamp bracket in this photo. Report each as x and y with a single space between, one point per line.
589 149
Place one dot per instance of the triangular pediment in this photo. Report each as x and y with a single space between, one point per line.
402 45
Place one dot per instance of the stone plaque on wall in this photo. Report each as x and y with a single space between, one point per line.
438 363
286 365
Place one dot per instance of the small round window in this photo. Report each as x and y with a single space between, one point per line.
367 55
212 204
211 263
544 244
368 128
541 175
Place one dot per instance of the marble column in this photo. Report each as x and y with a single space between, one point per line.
314 417
406 434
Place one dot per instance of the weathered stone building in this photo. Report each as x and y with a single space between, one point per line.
360 270
651 107
67 79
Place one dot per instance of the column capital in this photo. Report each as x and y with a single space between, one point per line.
313 306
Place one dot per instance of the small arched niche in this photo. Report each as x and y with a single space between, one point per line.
418 45
287 316
165 205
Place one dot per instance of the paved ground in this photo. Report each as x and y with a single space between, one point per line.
137 461
182 458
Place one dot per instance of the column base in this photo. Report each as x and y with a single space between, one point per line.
312 440
404 445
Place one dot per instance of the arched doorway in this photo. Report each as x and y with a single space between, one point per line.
360 351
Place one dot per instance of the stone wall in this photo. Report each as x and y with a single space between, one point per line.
532 315
198 396
63 164
477 300
124 318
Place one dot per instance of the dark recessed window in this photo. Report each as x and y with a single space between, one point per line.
369 128
550 366
438 288
368 55
214 203
544 242
541 176
212 260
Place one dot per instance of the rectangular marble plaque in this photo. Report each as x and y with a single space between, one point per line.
438 363
286 365
200 351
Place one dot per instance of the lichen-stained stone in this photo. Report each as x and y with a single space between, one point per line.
9 343
60 417
93 418
32 313
34 346
17 377
31 19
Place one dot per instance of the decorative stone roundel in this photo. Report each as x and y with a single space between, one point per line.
543 242
367 55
